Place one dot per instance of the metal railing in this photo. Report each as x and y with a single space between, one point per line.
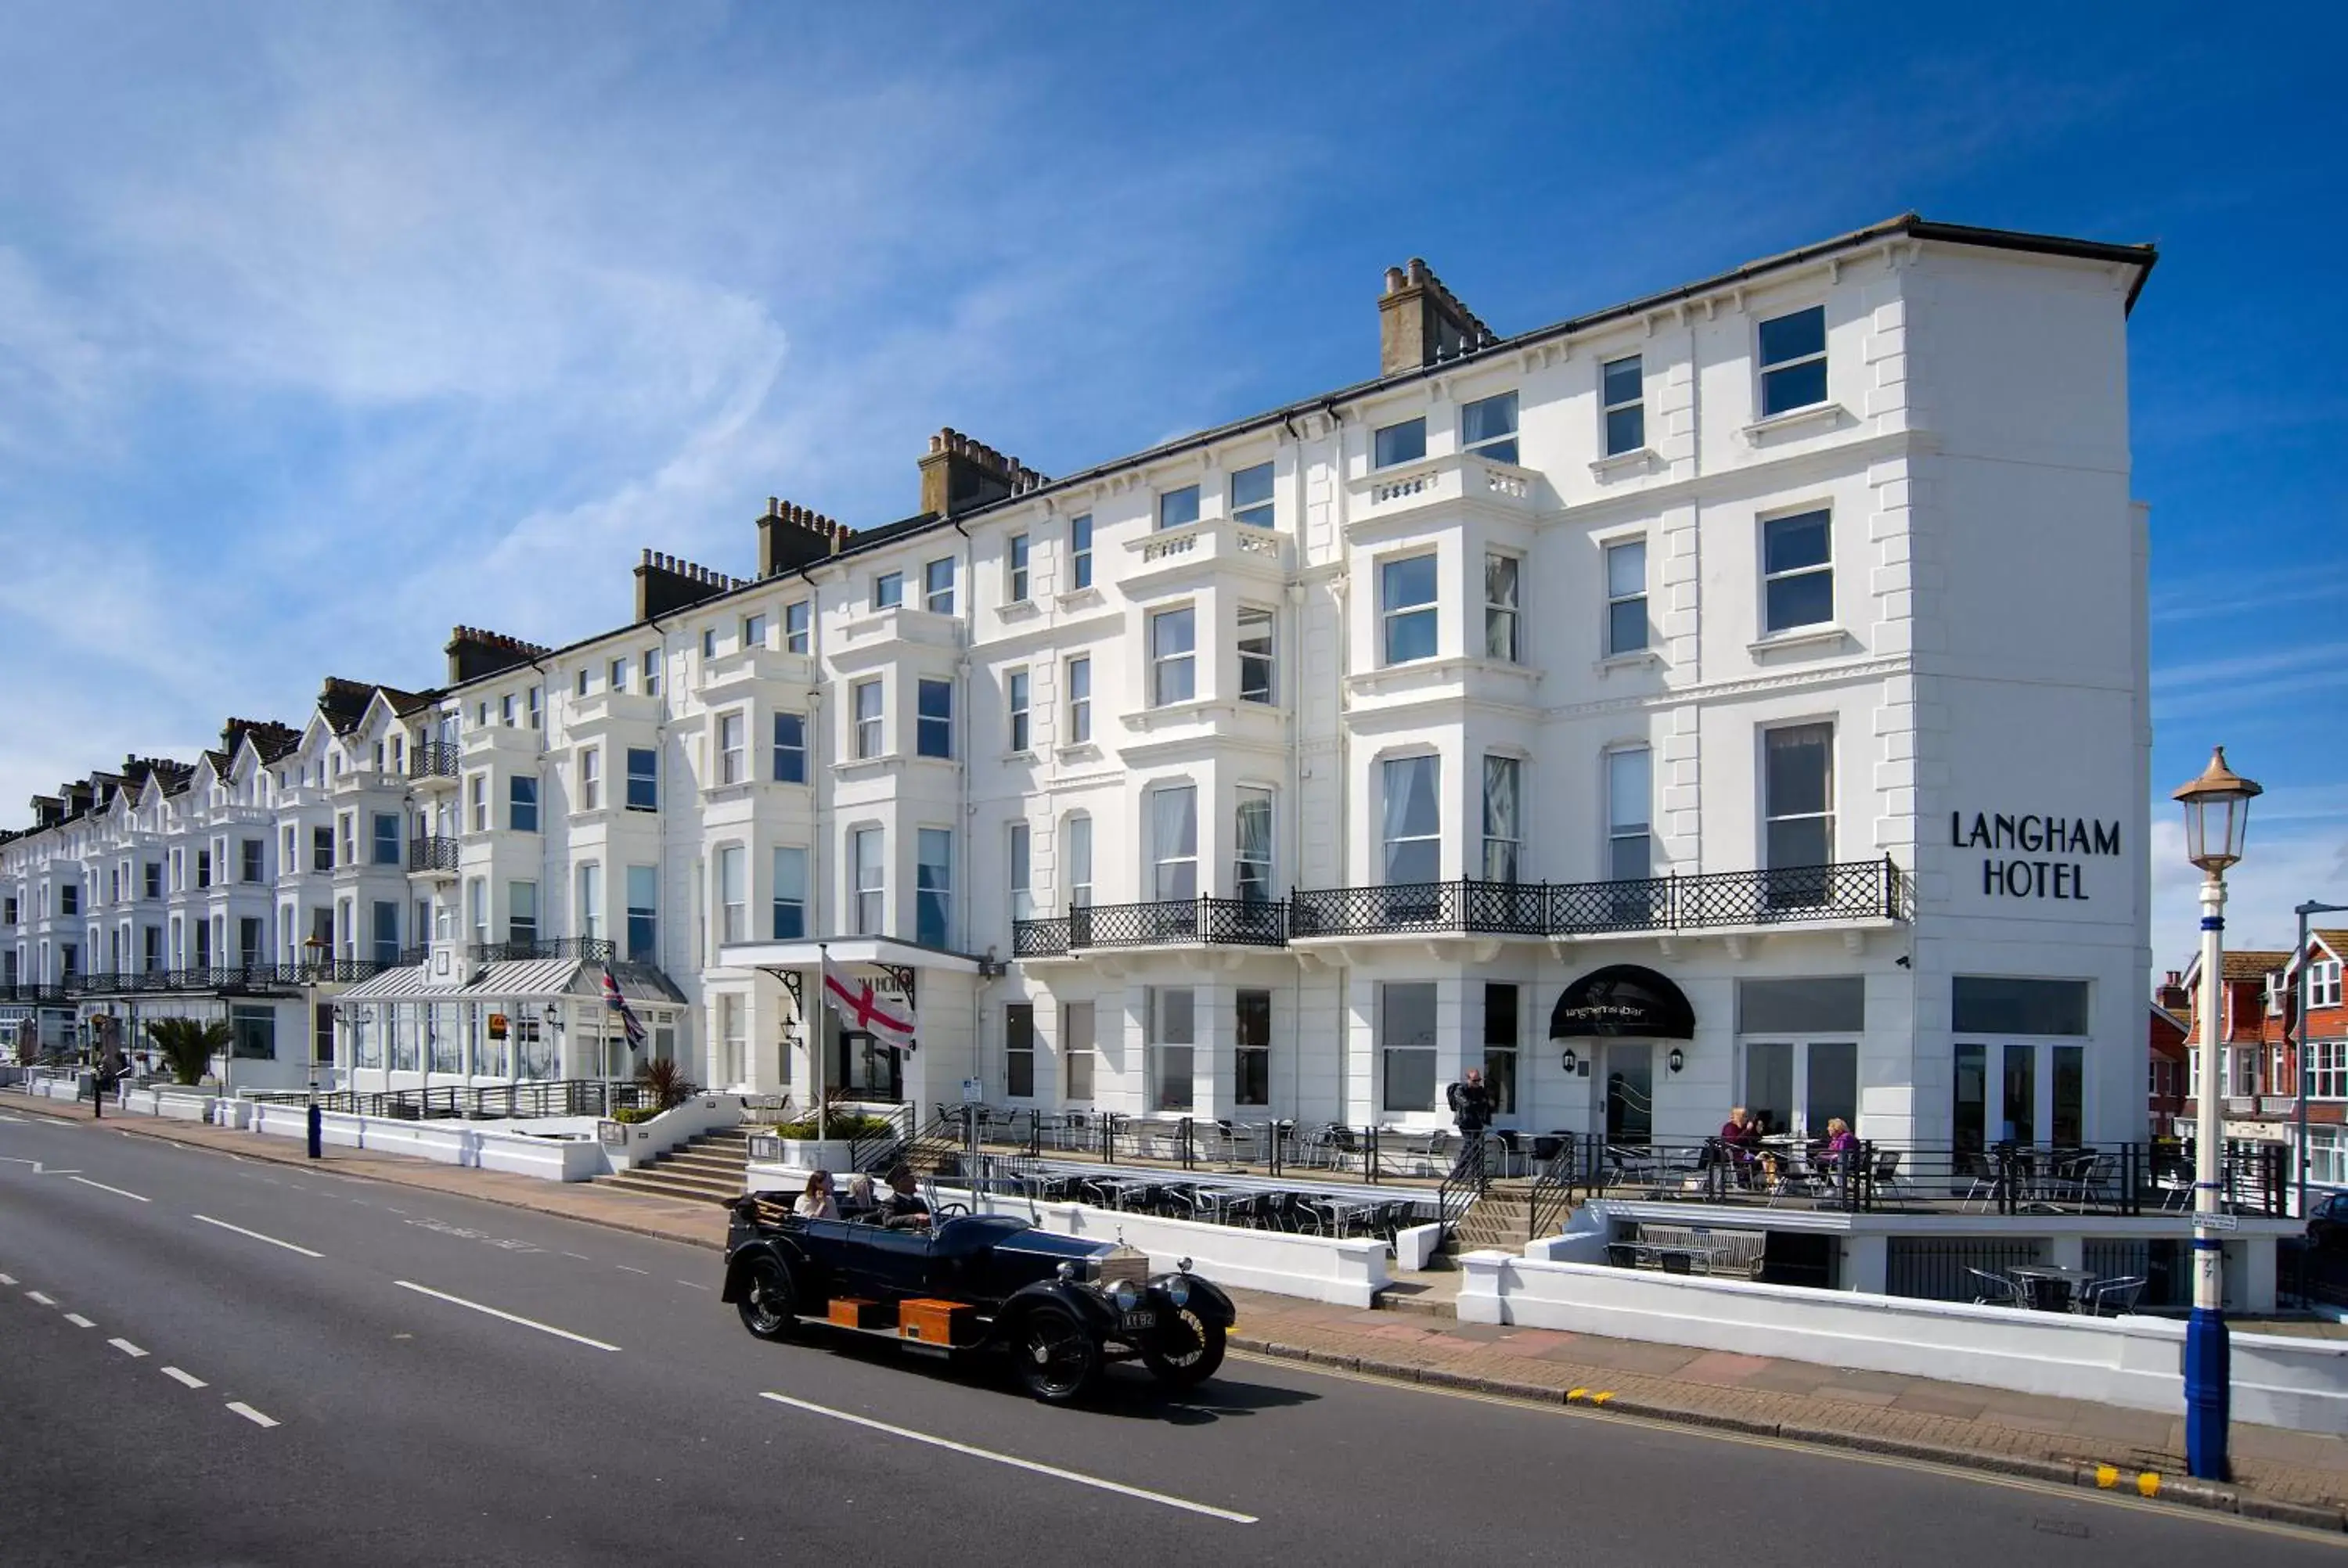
1164 922
1552 1189
433 852
233 977
433 760
2110 1179
493 1101
587 949
51 995
1469 1179
1864 889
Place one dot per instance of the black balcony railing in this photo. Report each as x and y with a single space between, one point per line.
432 852
1165 922
37 995
1864 889
231 979
586 950
433 760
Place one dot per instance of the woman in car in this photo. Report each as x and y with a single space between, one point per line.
815 1204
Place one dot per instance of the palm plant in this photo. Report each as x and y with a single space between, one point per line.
664 1082
189 1045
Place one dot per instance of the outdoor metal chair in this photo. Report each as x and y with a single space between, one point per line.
1996 1290
2111 1297
1981 1174
1888 1178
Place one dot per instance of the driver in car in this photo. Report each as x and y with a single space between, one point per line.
903 1209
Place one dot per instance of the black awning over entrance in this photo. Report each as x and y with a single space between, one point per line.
1621 1001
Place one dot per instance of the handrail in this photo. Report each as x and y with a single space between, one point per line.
1469 1180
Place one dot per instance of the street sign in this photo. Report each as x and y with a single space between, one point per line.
497 1026
2220 1222
972 1091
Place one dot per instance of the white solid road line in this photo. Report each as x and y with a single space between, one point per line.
249 1414
256 1236
79 1321
36 1296
189 1378
102 1187
126 1347
1026 1465
508 1316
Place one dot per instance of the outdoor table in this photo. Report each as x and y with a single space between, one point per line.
1122 1187
1340 1211
1691 1251
2042 1283
1218 1200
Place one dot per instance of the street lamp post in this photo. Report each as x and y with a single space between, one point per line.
2299 1037
311 947
2217 811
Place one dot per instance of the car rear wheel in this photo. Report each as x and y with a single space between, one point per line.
768 1302
1186 1350
1057 1358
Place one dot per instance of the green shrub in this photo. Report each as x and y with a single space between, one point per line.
629 1116
840 1125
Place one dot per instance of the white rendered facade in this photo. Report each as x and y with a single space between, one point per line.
1959 632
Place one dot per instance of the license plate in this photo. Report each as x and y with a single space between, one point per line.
1145 1318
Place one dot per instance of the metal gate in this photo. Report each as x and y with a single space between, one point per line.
1935 1268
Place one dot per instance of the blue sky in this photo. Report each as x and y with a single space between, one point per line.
323 328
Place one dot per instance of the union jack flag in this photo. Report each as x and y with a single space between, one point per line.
619 1004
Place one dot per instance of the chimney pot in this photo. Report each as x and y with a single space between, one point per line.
1394 278
774 505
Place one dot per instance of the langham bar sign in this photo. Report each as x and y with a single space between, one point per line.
2034 873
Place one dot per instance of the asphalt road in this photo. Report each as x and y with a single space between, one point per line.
208 1360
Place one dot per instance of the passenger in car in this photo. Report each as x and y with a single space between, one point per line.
903 1208
860 1203
815 1204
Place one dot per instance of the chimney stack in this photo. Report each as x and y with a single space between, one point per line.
960 475
666 584
1420 321
474 652
790 536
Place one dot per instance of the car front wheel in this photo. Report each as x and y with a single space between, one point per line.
1186 1351
1057 1356
767 1301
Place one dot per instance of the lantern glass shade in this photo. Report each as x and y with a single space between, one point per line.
2217 815
1676 1060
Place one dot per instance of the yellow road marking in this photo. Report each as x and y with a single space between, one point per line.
2107 1475
2148 1483
1601 1399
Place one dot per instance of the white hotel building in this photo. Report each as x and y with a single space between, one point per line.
1737 696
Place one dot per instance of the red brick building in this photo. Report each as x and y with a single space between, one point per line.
2261 1071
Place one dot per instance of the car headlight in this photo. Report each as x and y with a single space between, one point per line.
1126 1294
1178 1290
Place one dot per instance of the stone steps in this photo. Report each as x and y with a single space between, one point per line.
712 1168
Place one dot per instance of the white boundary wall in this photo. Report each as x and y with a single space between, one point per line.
448 1142
629 1144
2136 1362
1319 1268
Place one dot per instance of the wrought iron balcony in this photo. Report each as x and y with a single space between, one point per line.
432 852
586 950
246 980
55 996
1165 922
1855 890
433 760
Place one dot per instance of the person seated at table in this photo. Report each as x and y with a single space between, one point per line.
903 1209
1740 1140
815 1204
1839 1138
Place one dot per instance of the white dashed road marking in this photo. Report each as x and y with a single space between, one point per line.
36 1296
7 1279
79 1321
188 1378
508 1316
256 1236
249 1414
689 1284
625 1268
1026 1465
126 1347
102 1187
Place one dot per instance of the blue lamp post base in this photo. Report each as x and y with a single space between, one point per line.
2208 1393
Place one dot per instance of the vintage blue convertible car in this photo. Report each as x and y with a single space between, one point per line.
1062 1308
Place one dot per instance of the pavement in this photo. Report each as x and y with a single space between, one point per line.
308 1288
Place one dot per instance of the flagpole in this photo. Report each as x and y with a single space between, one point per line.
815 1042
